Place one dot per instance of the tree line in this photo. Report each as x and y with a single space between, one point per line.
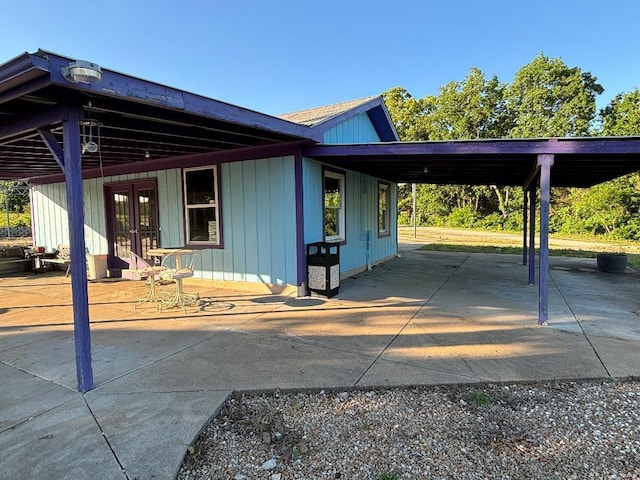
547 98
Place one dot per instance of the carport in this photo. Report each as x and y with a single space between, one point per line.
48 102
534 164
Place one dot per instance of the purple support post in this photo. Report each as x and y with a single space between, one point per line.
545 162
532 233
75 209
300 246
525 210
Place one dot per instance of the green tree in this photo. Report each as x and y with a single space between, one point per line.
622 115
469 109
549 99
407 114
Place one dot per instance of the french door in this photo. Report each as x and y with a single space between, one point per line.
132 220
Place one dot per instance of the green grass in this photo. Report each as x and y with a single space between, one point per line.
479 397
633 259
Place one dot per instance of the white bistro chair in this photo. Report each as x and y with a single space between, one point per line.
177 266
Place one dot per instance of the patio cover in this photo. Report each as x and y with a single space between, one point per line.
44 119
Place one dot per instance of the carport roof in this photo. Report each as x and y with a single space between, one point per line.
578 162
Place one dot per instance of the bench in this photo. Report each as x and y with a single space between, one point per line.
61 257
15 259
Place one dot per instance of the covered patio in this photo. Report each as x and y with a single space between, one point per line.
159 376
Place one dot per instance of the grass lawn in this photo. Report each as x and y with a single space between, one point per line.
476 241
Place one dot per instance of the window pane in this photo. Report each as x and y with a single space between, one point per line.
383 217
200 187
203 225
331 222
331 192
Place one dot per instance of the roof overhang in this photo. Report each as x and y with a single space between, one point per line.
132 119
578 162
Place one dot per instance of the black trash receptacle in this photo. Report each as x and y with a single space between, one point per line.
323 268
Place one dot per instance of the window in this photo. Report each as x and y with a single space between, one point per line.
383 209
334 225
201 206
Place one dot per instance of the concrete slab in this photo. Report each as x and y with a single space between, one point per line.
234 360
24 397
421 318
64 443
149 432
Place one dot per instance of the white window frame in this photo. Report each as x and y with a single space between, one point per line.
213 202
386 188
340 209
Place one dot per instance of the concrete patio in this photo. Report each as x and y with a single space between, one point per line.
424 318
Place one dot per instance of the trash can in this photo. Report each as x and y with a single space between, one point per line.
323 268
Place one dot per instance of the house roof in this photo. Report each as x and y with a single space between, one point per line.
132 119
314 116
321 119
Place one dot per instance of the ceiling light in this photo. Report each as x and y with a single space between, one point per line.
425 170
82 71
147 154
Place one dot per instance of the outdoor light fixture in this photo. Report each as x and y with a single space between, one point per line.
147 154
425 170
81 71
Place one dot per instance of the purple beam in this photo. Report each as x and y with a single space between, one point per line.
20 125
618 145
53 146
194 160
545 162
79 294
118 85
532 233
525 209
300 246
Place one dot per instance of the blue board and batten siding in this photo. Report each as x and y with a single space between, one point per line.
363 246
258 219
358 129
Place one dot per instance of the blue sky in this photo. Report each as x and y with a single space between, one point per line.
278 56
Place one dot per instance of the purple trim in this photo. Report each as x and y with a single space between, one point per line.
75 209
593 146
53 146
118 85
532 233
525 210
187 161
381 121
300 245
545 162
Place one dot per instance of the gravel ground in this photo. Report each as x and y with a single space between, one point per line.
551 430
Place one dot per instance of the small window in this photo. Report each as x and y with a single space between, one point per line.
383 209
334 211
201 206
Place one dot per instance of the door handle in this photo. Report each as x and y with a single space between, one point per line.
135 230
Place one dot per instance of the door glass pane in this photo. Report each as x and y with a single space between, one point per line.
122 224
147 227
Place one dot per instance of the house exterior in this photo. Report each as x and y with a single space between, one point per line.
249 214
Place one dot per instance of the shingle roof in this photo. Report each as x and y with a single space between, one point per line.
315 116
